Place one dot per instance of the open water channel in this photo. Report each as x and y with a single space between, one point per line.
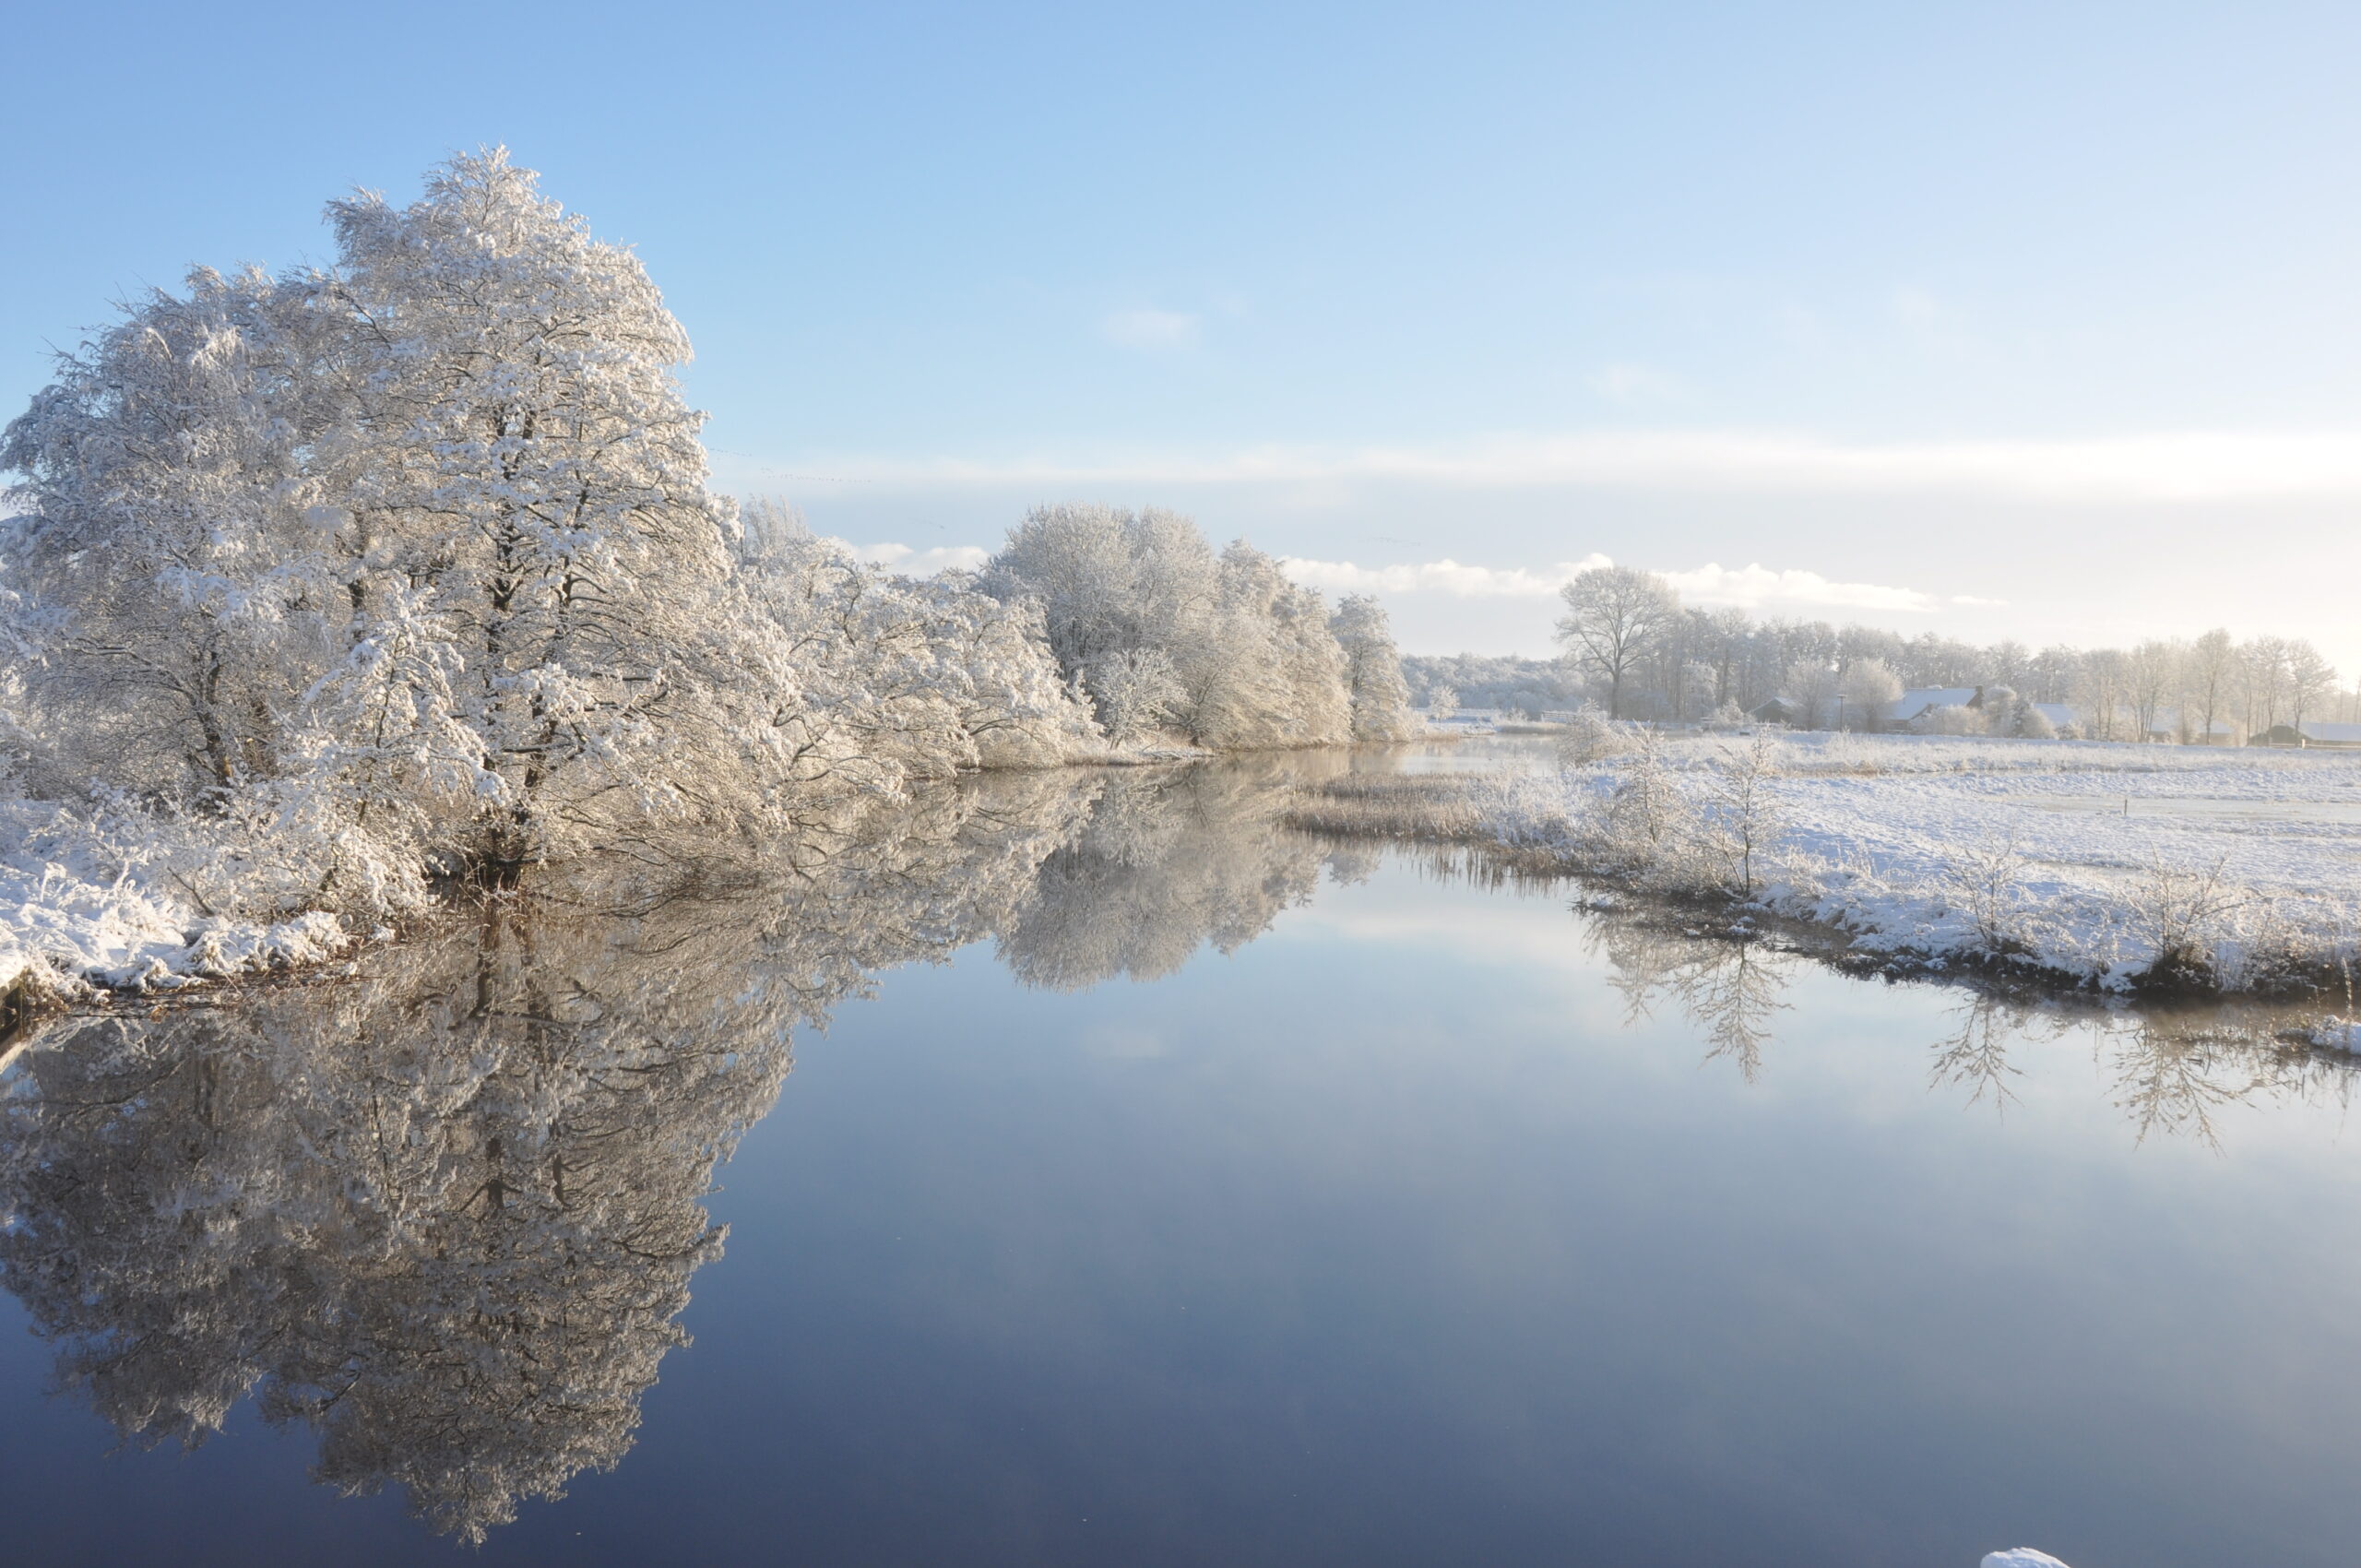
1166 1187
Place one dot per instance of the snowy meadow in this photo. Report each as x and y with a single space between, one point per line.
2114 867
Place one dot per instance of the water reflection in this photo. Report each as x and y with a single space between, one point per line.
443 1211
1976 1058
2172 1073
1168 860
1728 988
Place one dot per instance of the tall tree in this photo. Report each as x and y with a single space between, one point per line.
525 463
1381 702
1615 617
2212 675
2310 679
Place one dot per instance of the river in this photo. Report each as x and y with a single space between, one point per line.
1155 1184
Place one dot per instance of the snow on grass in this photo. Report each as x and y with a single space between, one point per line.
85 903
2337 1034
2115 865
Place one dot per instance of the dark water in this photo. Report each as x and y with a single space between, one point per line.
1224 1197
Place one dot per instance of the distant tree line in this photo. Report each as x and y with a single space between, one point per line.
1629 646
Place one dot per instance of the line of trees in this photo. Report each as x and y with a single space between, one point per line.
410 562
1160 633
1633 649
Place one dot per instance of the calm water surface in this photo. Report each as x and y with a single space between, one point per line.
1218 1196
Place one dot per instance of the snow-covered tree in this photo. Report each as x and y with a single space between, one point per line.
521 460
173 592
1866 690
2212 678
887 679
1252 654
412 559
1381 702
1812 688
1138 690
2311 680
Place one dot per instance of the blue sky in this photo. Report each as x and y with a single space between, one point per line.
2027 320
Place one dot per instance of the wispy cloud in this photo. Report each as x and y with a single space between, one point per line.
1756 587
913 562
1152 331
1752 587
1437 576
2188 465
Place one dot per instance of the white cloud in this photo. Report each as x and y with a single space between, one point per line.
1437 576
1753 587
2165 467
912 562
1154 330
1756 587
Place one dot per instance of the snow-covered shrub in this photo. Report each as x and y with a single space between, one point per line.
1986 876
882 680
1741 824
1647 813
1590 736
1950 718
2186 916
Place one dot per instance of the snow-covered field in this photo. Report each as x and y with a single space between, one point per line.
2105 862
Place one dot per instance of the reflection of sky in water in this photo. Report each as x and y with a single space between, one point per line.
1433 1224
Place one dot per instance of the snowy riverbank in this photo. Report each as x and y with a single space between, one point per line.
93 900
2110 865
87 904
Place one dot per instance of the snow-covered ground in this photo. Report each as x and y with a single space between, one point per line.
2084 858
82 904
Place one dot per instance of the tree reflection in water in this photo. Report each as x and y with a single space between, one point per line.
444 1210
1976 1058
1728 988
1168 859
2171 1072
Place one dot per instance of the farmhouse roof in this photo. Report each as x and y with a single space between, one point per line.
1913 703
